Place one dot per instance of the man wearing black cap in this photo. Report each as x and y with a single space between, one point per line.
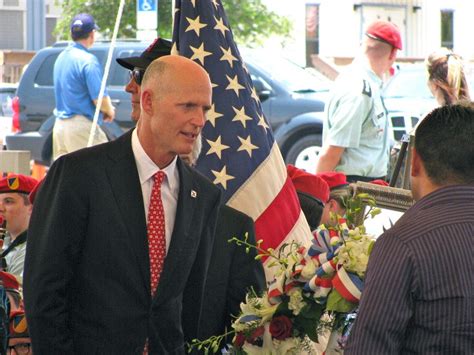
137 66
232 270
77 81
355 134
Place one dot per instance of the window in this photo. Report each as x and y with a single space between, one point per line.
447 31
45 72
119 75
312 31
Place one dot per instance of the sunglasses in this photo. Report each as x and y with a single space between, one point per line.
137 75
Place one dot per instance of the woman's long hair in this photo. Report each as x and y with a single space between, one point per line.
446 71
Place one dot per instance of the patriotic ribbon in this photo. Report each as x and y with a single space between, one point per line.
349 285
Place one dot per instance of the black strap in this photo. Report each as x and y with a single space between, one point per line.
355 178
18 241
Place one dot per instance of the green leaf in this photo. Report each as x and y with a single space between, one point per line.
337 303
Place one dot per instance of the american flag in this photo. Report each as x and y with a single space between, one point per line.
239 152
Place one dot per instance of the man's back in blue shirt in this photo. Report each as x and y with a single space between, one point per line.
77 80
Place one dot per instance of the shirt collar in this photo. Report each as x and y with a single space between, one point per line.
80 46
147 168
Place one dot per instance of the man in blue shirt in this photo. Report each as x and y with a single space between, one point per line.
77 81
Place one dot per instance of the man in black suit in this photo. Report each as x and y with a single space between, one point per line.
232 271
87 270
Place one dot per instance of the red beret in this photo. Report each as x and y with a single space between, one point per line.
33 192
17 183
334 179
308 183
9 280
386 32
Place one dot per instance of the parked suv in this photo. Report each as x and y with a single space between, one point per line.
292 100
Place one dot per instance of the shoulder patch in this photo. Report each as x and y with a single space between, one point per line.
366 90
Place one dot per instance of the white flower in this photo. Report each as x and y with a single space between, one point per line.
296 302
308 270
354 254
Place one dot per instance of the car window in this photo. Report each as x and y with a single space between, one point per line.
44 77
409 83
289 74
6 104
119 75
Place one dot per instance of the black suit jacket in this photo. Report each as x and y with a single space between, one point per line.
232 273
87 275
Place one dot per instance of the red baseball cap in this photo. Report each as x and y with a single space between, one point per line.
334 179
17 183
386 32
309 184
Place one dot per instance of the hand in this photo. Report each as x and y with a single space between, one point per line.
109 116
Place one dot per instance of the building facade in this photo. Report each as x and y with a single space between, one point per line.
21 21
334 28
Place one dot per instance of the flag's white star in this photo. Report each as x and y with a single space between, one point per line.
215 3
241 116
220 26
234 84
245 68
216 147
222 177
199 53
227 55
193 2
212 115
262 122
174 49
246 145
195 25
254 94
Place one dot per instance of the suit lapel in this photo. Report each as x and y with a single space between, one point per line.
125 183
187 199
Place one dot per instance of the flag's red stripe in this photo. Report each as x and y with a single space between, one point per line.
276 222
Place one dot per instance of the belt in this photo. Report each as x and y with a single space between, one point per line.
355 178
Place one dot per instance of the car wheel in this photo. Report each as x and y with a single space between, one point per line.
304 152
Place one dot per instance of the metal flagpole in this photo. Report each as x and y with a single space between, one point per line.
106 73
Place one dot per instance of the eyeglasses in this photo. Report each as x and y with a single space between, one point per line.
19 349
137 75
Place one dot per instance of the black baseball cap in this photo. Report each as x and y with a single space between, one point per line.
159 48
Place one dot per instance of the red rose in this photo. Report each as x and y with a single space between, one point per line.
280 327
239 340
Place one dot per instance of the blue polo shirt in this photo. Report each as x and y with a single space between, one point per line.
77 79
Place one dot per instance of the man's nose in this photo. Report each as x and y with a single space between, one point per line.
200 118
131 87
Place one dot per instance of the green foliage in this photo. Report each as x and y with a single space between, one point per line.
310 316
104 12
356 212
337 303
250 20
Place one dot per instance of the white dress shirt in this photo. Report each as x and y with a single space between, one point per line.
169 188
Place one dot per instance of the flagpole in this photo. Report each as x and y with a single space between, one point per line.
106 74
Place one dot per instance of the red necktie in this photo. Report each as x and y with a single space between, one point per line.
156 232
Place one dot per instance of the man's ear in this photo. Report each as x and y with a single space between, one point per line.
393 53
415 165
147 101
